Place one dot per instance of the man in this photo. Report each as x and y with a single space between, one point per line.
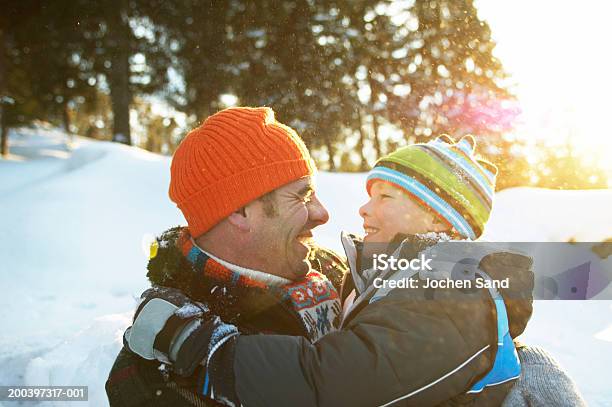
244 184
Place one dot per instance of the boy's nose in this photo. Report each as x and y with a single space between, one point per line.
364 210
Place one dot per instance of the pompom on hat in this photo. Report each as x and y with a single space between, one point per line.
445 177
233 158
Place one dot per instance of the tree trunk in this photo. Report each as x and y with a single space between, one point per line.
374 89
66 121
360 144
376 136
331 150
119 76
4 148
66 116
3 130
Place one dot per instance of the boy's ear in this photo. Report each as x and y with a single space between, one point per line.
240 220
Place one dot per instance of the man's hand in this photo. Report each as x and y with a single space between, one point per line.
171 328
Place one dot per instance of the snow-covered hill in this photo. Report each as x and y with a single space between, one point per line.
72 226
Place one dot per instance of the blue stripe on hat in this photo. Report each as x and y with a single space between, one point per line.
465 146
426 195
489 174
468 149
469 167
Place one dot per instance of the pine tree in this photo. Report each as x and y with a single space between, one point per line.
293 60
426 67
124 64
15 85
198 37
332 69
370 37
54 42
119 51
456 83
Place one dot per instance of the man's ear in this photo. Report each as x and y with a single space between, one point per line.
240 220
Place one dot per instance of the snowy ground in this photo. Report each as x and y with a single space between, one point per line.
72 265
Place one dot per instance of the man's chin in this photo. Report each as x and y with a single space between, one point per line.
300 270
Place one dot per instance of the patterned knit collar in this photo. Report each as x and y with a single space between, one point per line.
208 266
269 279
217 269
241 293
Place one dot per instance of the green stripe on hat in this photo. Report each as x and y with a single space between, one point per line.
443 176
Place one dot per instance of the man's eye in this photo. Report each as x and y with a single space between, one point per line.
383 196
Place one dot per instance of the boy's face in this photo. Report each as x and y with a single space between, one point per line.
390 211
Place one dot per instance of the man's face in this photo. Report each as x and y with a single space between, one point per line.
390 211
281 229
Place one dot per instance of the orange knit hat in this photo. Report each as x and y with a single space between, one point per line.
234 157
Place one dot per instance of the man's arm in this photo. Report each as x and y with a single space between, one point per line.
184 335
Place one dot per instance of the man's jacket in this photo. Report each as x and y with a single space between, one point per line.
252 305
412 347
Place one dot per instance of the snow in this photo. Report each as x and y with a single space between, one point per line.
79 219
189 311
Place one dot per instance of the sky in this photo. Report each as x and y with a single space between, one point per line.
558 53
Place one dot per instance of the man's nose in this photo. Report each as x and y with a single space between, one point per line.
317 213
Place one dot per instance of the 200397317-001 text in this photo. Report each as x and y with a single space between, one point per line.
44 393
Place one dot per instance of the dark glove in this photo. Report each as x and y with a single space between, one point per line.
171 328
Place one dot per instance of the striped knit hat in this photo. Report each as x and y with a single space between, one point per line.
446 178
234 157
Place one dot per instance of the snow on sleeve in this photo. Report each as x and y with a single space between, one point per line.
190 310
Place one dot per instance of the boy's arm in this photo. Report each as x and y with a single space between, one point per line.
393 349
